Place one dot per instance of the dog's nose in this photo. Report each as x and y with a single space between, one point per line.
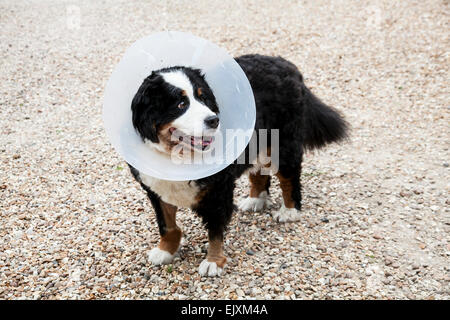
212 122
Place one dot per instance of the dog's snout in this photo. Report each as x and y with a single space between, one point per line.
212 122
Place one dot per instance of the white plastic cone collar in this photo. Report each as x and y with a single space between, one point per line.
227 80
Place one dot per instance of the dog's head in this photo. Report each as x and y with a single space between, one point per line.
175 107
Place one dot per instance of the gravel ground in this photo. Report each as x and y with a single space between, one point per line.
376 222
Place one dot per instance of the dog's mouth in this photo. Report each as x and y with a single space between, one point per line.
197 142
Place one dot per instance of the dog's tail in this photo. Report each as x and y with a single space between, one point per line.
322 124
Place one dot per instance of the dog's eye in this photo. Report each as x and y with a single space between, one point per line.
182 105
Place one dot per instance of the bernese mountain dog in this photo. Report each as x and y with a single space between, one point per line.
178 99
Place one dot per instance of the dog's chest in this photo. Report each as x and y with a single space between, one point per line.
177 193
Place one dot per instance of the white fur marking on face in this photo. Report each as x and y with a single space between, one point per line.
157 256
192 122
255 204
209 269
286 214
177 193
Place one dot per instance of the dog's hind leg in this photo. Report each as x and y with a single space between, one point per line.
289 178
259 193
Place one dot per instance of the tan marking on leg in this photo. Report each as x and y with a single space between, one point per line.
171 240
258 184
215 253
286 188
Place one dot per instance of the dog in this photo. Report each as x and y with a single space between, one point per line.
179 99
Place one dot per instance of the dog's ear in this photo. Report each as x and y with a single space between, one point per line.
152 81
143 108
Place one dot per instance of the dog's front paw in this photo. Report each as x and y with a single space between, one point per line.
210 269
286 214
157 256
255 204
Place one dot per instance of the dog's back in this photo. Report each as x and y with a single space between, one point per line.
284 102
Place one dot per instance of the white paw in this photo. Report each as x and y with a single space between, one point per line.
157 256
255 204
209 269
286 214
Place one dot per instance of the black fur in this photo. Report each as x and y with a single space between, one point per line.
282 102
321 124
